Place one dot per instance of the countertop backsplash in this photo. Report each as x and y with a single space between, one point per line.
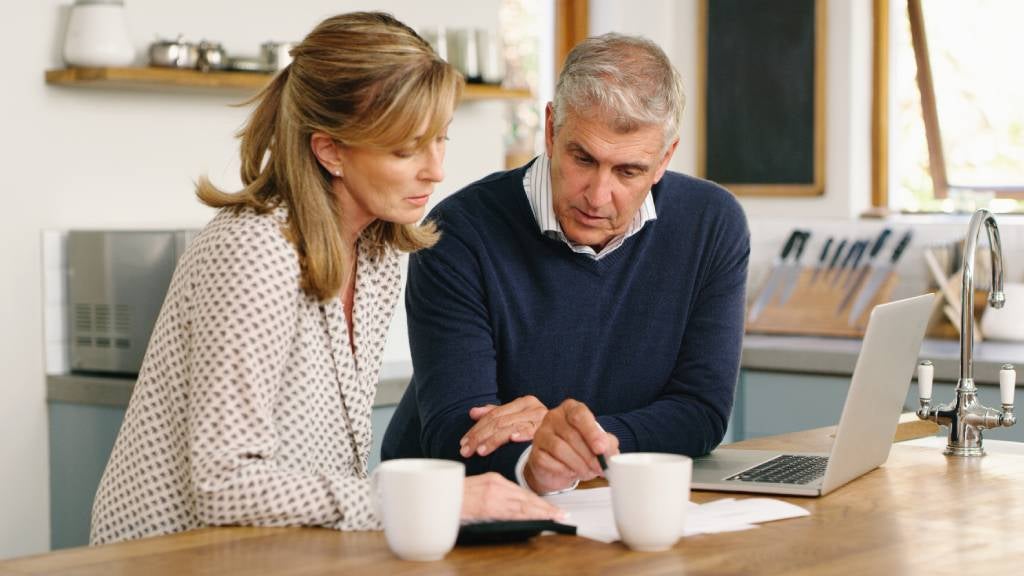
767 238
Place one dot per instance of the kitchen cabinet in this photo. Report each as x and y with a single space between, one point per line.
81 439
168 79
770 403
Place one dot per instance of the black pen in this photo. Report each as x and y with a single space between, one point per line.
600 457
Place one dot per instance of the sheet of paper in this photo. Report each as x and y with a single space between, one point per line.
591 512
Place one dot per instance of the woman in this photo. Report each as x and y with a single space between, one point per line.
253 403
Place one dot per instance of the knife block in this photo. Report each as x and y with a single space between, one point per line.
812 309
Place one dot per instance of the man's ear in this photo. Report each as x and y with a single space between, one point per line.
549 129
666 159
327 152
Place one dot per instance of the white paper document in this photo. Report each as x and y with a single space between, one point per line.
591 512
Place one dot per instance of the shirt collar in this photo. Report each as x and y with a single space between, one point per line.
537 184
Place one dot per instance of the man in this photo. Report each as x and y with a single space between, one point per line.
589 302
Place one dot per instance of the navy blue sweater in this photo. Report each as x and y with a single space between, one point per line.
648 337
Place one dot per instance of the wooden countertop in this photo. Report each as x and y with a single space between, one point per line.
920 511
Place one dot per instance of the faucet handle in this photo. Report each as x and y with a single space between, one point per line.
1007 383
925 373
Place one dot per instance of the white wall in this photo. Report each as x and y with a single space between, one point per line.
82 158
673 25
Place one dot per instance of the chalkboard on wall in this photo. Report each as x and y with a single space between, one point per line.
762 116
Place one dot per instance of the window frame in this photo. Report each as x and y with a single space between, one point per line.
929 109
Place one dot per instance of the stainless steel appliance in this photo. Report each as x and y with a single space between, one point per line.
116 283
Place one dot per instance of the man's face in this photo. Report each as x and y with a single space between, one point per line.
599 177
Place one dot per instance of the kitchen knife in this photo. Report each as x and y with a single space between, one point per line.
835 259
855 248
793 269
878 276
821 261
773 276
861 247
862 272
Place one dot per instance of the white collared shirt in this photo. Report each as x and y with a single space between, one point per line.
537 183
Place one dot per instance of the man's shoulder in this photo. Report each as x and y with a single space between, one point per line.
488 197
691 187
691 195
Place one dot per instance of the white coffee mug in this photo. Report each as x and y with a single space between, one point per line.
650 493
419 501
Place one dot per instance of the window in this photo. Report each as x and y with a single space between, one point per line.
949 135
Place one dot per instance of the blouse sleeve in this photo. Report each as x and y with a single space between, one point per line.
243 311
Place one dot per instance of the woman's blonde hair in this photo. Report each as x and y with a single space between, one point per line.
365 79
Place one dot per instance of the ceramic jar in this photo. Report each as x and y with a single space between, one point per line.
97 35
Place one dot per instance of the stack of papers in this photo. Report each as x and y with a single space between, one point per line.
591 512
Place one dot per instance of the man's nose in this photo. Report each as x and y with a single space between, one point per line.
599 192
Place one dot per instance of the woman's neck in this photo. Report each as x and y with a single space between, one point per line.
352 218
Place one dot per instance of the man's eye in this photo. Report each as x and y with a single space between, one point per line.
584 160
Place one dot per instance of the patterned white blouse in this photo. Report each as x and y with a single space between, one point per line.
250 408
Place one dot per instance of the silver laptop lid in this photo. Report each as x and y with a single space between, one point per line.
878 389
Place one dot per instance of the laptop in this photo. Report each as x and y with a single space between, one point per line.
863 438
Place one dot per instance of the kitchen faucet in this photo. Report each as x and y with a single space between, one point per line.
966 417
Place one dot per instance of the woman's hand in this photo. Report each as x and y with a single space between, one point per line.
490 496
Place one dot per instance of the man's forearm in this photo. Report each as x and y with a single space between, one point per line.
692 427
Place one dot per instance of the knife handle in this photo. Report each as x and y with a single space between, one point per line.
802 241
879 242
902 246
851 254
855 253
839 252
789 243
824 251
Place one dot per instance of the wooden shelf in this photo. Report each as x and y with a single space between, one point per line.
173 79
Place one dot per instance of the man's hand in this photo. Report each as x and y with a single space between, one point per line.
490 496
498 425
565 448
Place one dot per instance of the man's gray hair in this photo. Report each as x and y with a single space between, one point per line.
628 78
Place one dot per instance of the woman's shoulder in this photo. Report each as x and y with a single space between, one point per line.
245 225
246 237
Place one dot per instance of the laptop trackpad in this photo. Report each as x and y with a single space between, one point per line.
722 464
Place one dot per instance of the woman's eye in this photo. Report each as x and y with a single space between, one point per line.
404 153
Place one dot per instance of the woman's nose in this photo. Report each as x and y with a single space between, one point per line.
433 169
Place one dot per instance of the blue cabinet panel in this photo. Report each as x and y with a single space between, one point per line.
81 439
779 402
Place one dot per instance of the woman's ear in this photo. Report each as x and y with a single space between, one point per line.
327 153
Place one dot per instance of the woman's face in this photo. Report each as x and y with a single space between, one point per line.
390 185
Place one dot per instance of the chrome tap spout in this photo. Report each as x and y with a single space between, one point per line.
996 297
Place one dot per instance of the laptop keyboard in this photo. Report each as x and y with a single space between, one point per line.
786 469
